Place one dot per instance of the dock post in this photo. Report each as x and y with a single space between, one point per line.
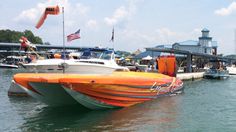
189 62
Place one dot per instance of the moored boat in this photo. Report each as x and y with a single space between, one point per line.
217 71
216 74
92 61
11 62
119 89
231 69
11 66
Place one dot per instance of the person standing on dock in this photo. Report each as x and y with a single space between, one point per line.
25 44
157 63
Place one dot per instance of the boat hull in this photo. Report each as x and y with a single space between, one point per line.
92 66
216 74
89 69
8 66
46 90
212 76
120 89
93 102
51 94
232 70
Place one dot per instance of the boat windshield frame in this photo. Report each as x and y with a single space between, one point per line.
107 55
98 54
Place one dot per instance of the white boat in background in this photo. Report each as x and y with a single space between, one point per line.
231 69
11 66
99 61
216 74
11 62
217 71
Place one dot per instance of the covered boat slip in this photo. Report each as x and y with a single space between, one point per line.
190 55
120 89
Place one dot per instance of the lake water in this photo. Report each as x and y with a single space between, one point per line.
205 105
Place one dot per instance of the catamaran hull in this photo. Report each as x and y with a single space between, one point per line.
122 89
96 104
49 93
88 101
52 94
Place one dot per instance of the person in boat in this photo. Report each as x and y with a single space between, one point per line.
33 58
157 59
28 59
136 67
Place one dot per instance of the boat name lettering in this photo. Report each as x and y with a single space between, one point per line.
155 87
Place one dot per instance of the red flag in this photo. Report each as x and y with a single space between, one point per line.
73 36
55 10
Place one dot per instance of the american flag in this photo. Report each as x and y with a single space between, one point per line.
73 36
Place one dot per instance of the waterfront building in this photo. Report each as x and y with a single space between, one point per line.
204 45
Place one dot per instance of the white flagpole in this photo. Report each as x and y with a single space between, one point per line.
63 26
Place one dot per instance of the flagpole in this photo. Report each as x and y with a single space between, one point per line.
113 46
113 35
63 27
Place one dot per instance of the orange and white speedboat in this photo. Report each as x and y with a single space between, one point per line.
119 89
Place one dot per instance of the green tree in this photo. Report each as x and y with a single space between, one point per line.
9 36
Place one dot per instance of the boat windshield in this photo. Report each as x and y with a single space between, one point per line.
107 55
12 60
90 54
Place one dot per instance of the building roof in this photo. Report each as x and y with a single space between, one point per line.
147 53
205 30
164 46
189 42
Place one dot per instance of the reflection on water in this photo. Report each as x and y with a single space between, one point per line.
156 115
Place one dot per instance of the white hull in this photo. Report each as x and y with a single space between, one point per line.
74 66
89 69
43 66
2 65
232 70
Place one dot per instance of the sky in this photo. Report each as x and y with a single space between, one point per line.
137 23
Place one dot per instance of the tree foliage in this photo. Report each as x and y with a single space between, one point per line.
8 36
